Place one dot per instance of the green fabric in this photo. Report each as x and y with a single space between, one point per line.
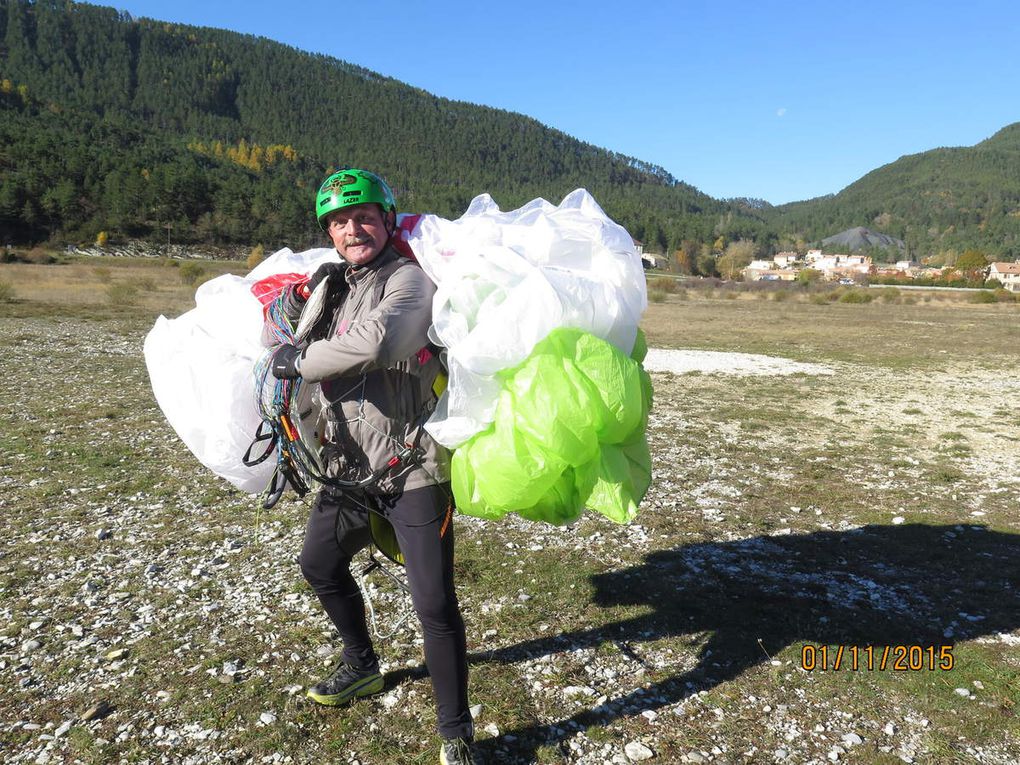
569 433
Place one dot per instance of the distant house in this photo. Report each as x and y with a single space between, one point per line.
768 271
1007 274
648 260
840 266
786 259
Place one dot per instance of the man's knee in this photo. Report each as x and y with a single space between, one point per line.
438 612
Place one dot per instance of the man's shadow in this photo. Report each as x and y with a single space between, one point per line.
873 586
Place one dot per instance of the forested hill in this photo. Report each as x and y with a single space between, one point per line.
937 201
113 124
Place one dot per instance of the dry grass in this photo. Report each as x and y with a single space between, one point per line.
89 283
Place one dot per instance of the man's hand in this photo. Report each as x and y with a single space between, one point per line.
335 272
285 362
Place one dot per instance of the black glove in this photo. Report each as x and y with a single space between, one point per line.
285 362
335 272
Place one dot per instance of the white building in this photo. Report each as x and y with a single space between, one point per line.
1007 274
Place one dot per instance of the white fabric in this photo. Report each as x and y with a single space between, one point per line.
201 368
506 279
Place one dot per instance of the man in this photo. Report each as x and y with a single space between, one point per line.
369 353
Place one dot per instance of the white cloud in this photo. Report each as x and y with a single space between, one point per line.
781 111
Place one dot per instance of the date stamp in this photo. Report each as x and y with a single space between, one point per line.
869 658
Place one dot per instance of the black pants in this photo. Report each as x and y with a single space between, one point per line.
424 527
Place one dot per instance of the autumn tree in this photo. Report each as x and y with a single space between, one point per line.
972 260
735 258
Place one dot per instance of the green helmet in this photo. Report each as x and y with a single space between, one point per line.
351 186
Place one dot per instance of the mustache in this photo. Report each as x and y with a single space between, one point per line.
353 241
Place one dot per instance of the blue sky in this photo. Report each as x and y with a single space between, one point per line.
771 99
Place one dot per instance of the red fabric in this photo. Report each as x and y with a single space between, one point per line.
406 224
268 289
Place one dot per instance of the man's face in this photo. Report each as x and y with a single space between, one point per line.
358 232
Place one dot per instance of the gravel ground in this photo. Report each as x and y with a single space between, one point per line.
140 595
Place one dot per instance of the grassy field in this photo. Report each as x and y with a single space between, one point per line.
793 522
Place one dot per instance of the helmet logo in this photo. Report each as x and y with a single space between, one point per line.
338 183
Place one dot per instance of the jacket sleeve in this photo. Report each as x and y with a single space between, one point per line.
391 332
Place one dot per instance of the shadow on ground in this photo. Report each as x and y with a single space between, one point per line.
877 585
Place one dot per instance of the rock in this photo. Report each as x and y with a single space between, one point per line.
492 729
64 728
102 534
116 654
889 729
852 739
267 718
30 645
163 695
962 692
898 520
97 711
636 752
476 711
153 568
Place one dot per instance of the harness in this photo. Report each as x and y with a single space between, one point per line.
285 407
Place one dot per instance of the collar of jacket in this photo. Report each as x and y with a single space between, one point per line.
357 273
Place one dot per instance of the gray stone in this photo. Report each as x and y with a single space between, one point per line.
97 711
636 751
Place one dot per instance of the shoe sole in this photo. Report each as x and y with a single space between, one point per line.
369 686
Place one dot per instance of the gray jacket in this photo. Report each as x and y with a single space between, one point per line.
376 374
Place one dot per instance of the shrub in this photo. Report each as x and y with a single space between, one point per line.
856 296
147 284
122 293
1005 296
682 294
820 298
910 300
889 294
982 296
663 284
780 295
258 252
39 257
102 273
6 292
191 273
656 295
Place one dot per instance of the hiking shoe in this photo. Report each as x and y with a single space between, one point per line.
346 683
456 751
